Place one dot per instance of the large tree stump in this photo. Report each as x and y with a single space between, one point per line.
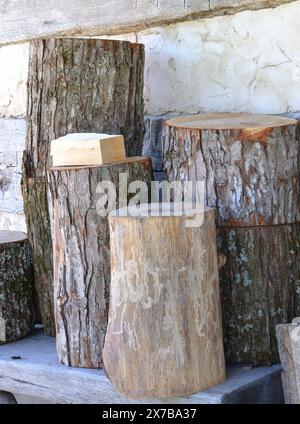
17 312
164 335
250 165
80 237
74 85
260 286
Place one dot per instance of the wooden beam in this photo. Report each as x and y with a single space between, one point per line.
23 20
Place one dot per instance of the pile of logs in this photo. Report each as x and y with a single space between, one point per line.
250 165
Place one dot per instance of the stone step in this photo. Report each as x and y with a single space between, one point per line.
37 377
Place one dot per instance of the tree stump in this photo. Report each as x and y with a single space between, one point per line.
250 165
74 85
164 336
260 288
288 336
17 312
80 238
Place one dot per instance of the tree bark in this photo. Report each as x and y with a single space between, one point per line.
260 286
80 237
74 85
17 312
164 336
288 336
251 173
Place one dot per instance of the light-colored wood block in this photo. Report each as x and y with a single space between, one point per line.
87 149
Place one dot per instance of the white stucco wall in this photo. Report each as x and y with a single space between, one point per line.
13 77
248 62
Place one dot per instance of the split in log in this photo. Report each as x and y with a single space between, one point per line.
17 312
260 286
250 164
288 336
164 336
80 237
74 85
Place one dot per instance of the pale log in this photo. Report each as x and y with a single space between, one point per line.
17 313
74 85
288 336
81 253
164 336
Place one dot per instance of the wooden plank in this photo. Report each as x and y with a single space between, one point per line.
87 149
22 20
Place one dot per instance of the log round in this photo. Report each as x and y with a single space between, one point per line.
250 164
74 85
81 256
17 313
164 335
260 288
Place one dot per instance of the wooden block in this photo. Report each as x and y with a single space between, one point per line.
87 149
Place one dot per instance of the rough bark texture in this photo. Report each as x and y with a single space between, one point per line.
74 85
80 239
164 335
252 178
260 288
288 336
17 312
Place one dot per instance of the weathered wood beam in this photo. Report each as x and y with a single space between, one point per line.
22 20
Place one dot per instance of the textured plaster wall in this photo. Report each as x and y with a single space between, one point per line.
246 62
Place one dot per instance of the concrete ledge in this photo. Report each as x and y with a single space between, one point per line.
37 377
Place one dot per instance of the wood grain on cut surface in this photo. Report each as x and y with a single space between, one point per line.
74 86
81 252
164 335
250 165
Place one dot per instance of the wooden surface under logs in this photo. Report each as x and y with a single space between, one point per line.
80 237
164 336
17 313
74 85
250 164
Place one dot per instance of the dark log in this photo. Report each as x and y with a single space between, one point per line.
74 85
80 237
17 313
259 286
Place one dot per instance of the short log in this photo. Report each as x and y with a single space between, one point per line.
81 256
17 312
260 286
249 163
164 336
